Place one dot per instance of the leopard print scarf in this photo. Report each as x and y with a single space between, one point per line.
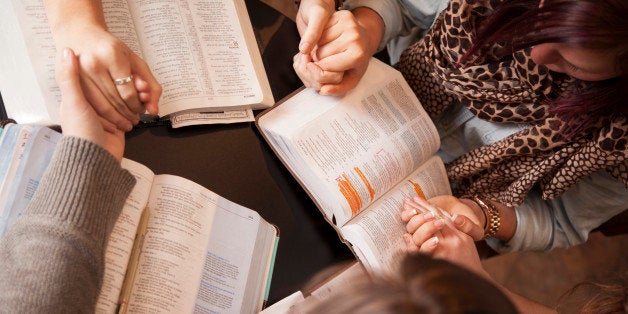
512 90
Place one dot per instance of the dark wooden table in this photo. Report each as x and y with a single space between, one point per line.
235 162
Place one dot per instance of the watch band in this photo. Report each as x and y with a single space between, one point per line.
493 221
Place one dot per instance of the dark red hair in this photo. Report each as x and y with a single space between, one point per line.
592 24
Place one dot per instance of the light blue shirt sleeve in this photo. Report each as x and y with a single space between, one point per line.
541 224
405 21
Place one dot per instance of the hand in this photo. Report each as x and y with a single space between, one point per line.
345 46
102 59
434 236
467 216
78 117
342 52
312 75
311 20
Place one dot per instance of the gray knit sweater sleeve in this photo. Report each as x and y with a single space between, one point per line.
52 258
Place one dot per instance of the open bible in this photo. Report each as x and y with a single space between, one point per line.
177 247
203 53
359 156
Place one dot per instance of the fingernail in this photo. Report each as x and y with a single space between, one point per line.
428 215
439 222
406 237
434 241
458 221
67 54
302 46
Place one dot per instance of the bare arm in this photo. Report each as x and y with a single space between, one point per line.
103 58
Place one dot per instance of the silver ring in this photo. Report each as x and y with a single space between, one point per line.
124 80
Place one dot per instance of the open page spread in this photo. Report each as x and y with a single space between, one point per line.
349 151
376 235
196 252
203 53
214 67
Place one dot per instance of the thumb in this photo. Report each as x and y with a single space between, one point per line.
464 224
313 30
68 79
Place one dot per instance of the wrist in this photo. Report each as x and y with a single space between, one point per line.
480 217
373 26
491 214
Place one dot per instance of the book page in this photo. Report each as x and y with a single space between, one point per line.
27 81
120 23
196 253
123 236
232 261
14 139
171 255
226 116
198 52
284 305
349 151
29 91
376 235
336 282
36 153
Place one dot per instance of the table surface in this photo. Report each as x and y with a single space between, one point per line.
234 161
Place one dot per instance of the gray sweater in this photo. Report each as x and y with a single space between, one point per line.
52 258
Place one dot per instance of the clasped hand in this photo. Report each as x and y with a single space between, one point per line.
102 59
442 236
333 52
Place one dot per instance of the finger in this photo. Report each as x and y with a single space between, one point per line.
321 76
108 126
343 60
127 92
147 83
349 81
314 26
305 73
429 246
426 231
410 246
417 221
93 70
408 210
109 90
467 226
144 97
126 88
73 103
103 107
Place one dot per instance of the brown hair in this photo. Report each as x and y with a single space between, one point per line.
608 298
425 285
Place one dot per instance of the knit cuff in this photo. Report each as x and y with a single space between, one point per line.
84 186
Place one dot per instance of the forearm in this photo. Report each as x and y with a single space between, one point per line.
64 16
54 252
373 23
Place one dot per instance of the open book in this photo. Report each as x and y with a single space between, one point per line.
359 156
176 247
204 53
322 287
